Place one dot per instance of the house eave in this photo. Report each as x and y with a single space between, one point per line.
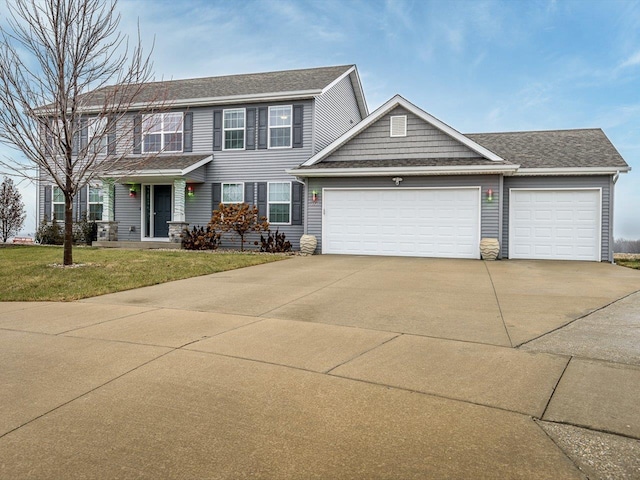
408 171
564 171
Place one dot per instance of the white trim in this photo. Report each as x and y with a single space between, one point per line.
338 80
222 192
167 172
394 102
162 132
478 188
244 129
269 127
269 202
391 125
382 171
572 171
555 189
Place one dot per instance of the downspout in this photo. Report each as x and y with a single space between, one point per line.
614 179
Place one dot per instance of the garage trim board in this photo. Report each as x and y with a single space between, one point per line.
444 221
570 233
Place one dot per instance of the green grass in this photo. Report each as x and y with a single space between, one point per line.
27 273
628 263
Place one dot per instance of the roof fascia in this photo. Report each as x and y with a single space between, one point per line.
359 93
197 165
381 171
572 171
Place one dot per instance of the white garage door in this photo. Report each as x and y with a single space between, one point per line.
402 221
555 224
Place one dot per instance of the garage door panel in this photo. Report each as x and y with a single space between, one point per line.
555 224
410 222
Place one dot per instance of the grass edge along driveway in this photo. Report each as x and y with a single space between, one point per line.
32 273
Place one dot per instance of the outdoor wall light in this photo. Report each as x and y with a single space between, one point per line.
314 196
190 192
489 195
132 191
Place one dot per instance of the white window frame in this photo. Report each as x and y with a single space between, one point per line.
162 132
89 202
404 133
54 203
269 203
222 192
269 127
97 126
230 129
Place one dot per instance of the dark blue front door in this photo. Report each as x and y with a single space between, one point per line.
161 210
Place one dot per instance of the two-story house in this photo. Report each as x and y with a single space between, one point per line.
226 139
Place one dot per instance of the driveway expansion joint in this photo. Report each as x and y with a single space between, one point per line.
555 387
495 293
362 353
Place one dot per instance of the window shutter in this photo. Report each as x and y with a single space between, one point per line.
83 201
111 136
137 134
262 128
84 134
262 199
188 132
216 196
298 111
250 141
47 202
217 129
249 188
296 203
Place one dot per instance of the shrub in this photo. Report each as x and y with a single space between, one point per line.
240 218
85 231
274 243
200 238
49 233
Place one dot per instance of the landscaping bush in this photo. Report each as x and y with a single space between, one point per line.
274 243
49 233
240 218
200 238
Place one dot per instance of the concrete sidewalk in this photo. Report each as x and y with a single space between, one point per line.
414 377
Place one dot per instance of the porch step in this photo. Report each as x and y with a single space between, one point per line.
138 245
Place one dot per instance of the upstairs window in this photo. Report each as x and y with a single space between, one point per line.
57 204
279 202
95 203
233 127
232 192
97 134
162 132
280 126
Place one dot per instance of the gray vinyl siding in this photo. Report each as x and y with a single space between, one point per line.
422 141
336 111
128 213
489 211
597 181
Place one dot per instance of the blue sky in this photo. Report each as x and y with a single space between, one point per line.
480 66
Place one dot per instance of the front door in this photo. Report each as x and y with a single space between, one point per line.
161 210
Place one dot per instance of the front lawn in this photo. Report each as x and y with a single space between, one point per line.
630 260
28 273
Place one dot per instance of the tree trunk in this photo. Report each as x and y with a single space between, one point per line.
68 231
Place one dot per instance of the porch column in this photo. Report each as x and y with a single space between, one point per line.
178 224
108 227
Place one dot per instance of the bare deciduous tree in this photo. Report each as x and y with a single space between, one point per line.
12 212
240 218
65 70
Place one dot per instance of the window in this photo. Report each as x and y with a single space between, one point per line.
58 204
97 135
95 203
162 132
232 192
280 127
399 126
279 202
233 127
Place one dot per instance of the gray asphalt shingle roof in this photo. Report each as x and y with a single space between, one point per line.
159 162
234 85
553 148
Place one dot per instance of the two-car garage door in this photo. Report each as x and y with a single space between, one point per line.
429 222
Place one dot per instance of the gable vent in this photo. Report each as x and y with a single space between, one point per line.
399 126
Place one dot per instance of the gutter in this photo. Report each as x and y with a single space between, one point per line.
383 171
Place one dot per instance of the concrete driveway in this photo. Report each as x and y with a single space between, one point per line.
330 367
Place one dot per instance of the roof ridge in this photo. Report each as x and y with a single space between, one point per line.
536 131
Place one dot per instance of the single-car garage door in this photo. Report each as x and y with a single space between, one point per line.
555 224
430 222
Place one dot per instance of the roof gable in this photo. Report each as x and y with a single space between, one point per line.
421 122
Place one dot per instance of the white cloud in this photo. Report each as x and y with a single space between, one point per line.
632 61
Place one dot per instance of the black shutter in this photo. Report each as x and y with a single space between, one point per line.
137 134
296 203
249 188
250 141
262 127
262 199
47 202
84 133
83 201
298 111
188 132
217 130
111 136
216 195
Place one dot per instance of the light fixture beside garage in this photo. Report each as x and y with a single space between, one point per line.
490 195
397 180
